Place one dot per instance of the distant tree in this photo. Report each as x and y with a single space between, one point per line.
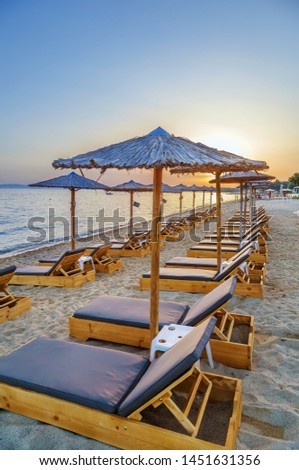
294 180
275 185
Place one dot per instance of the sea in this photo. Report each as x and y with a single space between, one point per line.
32 218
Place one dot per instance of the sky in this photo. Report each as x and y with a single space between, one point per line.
77 75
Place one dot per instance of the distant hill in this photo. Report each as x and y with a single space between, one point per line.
13 185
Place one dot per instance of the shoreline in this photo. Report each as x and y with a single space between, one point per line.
270 416
80 240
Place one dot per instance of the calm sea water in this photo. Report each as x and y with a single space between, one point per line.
34 217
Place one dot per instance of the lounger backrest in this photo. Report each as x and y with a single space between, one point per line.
67 260
97 251
167 368
248 244
243 256
6 274
135 239
209 303
253 233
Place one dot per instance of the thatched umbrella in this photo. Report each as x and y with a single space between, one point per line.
179 188
73 182
131 187
204 190
158 150
244 178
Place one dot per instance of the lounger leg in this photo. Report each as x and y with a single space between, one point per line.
209 355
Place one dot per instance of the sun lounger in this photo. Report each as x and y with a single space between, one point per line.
232 237
137 245
232 231
206 249
113 396
64 273
183 223
10 305
211 263
203 280
126 320
170 232
103 263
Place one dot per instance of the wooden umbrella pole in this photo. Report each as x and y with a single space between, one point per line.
219 223
194 195
241 211
131 211
181 204
250 204
203 199
73 227
245 208
155 255
211 195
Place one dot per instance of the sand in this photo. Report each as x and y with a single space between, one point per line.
270 418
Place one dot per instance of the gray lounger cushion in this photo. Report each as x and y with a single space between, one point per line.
210 302
213 247
167 368
184 274
54 259
130 311
192 262
226 241
8 270
96 377
46 270
50 260
34 270
118 246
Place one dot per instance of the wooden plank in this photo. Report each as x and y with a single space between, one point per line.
57 281
22 304
141 253
109 268
84 329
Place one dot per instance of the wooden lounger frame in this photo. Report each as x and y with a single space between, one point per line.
247 285
9 312
68 281
170 233
103 262
67 273
224 350
258 269
131 432
11 306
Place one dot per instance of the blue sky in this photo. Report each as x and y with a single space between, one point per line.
80 74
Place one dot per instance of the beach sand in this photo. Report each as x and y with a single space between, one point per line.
270 418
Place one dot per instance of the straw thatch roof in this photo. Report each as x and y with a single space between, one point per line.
159 149
194 187
166 188
241 176
70 181
132 186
